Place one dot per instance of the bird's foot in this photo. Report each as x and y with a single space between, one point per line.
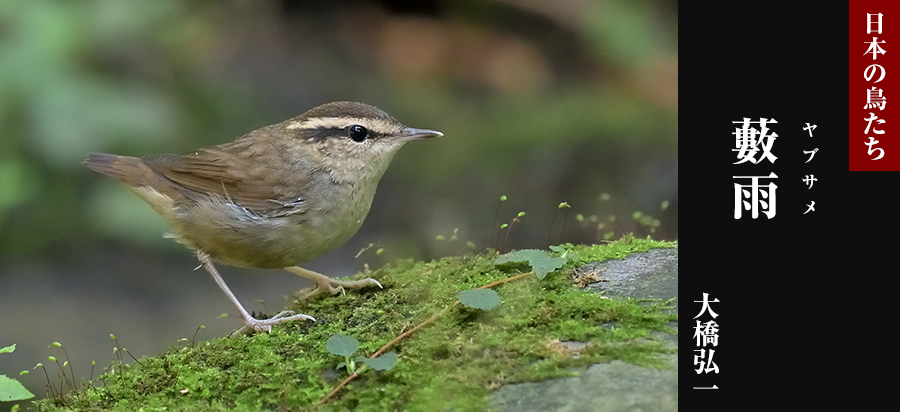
327 284
338 286
252 325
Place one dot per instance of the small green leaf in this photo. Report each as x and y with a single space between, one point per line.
8 349
342 345
381 363
565 253
484 299
12 390
541 262
523 255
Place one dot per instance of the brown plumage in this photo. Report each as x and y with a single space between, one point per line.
275 197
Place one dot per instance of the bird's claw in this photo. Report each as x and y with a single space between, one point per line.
265 325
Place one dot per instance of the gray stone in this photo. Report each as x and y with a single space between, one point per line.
652 275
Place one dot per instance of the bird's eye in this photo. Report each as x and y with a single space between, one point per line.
357 133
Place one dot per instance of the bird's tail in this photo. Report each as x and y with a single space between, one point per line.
130 170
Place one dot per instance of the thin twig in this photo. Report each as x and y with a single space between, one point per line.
336 389
507 280
565 219
553 220
494 225
49 385
413 330
509 230
69 361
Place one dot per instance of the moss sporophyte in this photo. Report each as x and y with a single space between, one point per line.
455 357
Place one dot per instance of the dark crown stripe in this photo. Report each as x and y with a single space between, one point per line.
321 133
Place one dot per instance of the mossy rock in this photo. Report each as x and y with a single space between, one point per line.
451 364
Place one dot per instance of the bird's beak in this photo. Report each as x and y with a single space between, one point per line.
409 133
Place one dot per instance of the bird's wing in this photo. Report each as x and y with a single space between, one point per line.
217 171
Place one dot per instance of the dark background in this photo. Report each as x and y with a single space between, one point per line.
545 102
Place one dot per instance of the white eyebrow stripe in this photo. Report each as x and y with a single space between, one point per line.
377 125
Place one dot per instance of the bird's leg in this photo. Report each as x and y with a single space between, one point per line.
251 324
327 284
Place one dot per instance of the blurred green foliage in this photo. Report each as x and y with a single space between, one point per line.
545 103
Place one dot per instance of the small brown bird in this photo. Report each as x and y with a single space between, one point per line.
275 197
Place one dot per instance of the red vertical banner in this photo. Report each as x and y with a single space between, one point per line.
874 79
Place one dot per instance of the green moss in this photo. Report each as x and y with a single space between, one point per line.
449 365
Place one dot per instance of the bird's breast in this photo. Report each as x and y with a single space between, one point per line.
236 236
